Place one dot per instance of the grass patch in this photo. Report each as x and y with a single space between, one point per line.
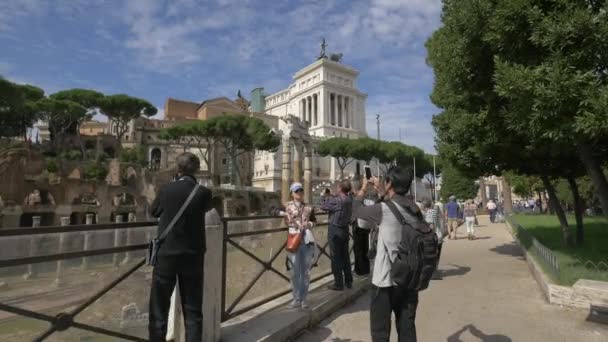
589 261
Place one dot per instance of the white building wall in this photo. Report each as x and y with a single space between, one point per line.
321 79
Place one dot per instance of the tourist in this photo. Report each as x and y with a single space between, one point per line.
491 206
469 218
300 219
452 214
433 218
387 297
181 256
360 247
340 208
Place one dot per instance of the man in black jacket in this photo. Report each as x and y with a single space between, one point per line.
181 254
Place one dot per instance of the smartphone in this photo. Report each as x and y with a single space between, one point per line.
368 172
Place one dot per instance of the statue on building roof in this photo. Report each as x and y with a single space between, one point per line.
336 57
242 102
323 46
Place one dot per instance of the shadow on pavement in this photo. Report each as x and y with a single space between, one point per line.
511 249
456 270
455 337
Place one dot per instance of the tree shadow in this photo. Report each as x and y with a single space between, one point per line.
456 270
510 249
455 337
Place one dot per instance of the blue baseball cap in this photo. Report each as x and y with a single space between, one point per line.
296 187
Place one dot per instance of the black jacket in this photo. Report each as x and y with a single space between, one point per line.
188 235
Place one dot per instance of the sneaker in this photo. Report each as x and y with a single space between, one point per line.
293 305
305 305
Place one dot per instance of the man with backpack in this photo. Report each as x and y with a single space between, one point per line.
405 254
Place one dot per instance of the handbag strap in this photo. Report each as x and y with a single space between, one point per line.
179 213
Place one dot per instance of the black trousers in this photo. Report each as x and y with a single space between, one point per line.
340 260
492 215
386 300
361 248
188 270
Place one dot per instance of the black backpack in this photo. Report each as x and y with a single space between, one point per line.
417 253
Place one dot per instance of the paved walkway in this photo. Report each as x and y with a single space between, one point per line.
487 294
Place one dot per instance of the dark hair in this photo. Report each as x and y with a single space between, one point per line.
188 163
345 186
426 203
400 179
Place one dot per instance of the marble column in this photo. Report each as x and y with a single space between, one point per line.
285 169
65 221
297 161
118 219
33 248
344 111
307 172
316 114
336 118
87 242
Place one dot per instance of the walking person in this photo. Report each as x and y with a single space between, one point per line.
491 206
300 219
452 215
340 208
180 256
441 230
470 217
432 217
387 296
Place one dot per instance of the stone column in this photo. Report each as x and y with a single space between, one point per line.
129 255
65 221
336 117
307 172
346 111
117 219
316 109
297 161
87 242
285 169
33 248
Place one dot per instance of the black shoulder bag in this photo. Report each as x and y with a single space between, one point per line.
154 246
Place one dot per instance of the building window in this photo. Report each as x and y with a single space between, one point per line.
224 161
126 137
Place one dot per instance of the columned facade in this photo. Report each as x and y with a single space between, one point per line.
324 98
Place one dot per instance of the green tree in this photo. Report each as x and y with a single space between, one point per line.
17 108
121 109
456 183
193 134
88 99
480 56
339 148
364 149
61 116
239 134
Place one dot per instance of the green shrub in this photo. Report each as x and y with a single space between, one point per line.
51 166
133 156
95 171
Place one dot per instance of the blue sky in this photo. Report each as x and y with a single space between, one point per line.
195 50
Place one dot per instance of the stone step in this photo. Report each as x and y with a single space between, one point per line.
592 290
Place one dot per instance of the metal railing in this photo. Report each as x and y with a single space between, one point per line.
544 253
229 309
67 319
70 313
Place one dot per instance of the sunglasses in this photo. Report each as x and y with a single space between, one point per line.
299 190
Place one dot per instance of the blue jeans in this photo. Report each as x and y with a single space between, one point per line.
300 271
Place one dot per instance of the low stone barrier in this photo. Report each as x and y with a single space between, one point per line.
583 294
